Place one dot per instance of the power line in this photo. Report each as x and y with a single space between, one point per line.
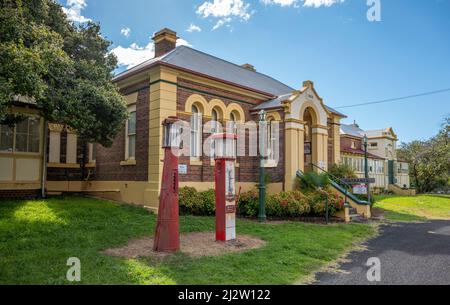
395 99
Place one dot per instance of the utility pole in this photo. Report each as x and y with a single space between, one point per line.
263 156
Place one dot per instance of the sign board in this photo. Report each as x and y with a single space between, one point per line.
358 180
182 169
307 148
360 189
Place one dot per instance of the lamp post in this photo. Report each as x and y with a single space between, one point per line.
262 152
366 167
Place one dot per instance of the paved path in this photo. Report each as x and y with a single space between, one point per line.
409 253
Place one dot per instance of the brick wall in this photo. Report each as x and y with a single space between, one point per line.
248 166
346 142
108 160
68 174
19 194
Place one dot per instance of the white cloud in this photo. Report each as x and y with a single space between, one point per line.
307 3
193 28
135 54
73 10
225 11
319 3
281 2
125 31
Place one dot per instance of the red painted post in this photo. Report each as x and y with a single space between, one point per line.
167 235
225 187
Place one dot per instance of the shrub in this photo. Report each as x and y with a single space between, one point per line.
312 181
248 204
283 204
342 171
196 203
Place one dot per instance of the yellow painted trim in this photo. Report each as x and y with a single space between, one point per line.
217 104
197 100
195 162
233 107
91 164
130 162
274 116
63 165
314 113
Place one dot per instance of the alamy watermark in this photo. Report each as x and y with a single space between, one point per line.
374 12
374 272
74 272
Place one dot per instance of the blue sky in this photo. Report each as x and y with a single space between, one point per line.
330 42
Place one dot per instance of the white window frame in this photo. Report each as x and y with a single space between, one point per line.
131 109
196 133
14 151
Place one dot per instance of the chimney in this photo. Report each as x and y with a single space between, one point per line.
165 41
354 124
249 67
308 84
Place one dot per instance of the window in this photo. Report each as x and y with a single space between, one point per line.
196 136
6 138
24 137
92 147
233 120
130 151
214 121
271 140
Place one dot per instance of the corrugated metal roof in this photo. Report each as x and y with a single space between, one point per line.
277 103
352 130
197 61
332 110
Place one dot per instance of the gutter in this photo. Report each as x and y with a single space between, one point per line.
44 161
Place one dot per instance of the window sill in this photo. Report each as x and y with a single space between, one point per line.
130 162
195 162
91 164
270 164
63 165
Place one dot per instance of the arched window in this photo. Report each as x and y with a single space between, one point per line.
233 120
196 133
270 141
214 121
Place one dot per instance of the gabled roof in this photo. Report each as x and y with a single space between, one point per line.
379 133
196 61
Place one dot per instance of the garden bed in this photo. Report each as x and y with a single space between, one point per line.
195 244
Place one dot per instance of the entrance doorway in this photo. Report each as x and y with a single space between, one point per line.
308 139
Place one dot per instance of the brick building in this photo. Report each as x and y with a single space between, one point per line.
198 88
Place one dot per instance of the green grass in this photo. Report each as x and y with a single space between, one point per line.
37 238
417 208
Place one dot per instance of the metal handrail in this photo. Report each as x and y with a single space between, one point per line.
331 175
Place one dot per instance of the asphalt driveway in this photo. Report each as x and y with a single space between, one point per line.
408 253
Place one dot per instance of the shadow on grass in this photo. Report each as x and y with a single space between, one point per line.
403 217
37 238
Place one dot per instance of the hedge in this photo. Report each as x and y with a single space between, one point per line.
280 205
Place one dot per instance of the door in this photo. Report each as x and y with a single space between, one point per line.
391 177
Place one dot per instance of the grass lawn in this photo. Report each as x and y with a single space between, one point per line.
417 208
37 237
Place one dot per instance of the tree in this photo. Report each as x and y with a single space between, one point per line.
342 171
65 69
429 160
